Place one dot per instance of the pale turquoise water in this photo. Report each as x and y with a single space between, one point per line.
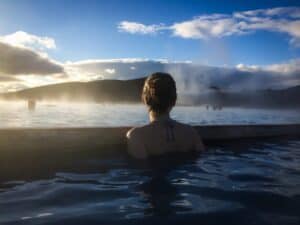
91 115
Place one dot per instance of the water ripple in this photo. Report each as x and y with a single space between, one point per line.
249 181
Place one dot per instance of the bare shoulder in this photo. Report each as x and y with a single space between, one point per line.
191 132
186 128
135 132
135 144
131 132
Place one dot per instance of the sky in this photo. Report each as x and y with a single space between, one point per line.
234 44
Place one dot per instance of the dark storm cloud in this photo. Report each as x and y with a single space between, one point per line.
8 79
16 60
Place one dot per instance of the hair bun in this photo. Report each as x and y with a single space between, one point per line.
159 92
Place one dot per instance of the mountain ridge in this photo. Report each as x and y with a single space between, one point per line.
129 91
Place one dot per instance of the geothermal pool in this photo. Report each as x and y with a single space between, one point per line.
16 114
239 182
249 182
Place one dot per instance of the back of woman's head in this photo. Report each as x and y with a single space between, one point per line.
159 92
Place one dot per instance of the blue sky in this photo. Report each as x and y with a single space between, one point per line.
65 35
88 30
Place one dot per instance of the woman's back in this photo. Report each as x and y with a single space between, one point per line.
160 137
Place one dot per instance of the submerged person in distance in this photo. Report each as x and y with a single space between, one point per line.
162 134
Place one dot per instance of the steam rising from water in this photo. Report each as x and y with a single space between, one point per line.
194 78
62 114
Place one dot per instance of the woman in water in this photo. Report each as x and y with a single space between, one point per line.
162 134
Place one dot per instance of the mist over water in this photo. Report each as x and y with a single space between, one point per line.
62 114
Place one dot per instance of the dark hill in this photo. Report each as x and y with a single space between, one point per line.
98 91
129 91
283 98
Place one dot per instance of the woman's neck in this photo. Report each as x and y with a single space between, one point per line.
158 117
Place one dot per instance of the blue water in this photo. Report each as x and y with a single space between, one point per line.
248 182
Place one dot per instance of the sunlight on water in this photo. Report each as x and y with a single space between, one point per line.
16 114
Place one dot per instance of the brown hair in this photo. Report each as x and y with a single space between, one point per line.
159 92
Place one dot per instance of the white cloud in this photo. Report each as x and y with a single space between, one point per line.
292 12
36 80
110 70
139 28
22 57
120 60
12 86
290 67
23 39
282 19
204 27
244 67
191 78
22 63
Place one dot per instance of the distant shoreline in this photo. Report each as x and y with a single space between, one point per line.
129 92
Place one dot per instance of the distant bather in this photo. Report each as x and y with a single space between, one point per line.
31 104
